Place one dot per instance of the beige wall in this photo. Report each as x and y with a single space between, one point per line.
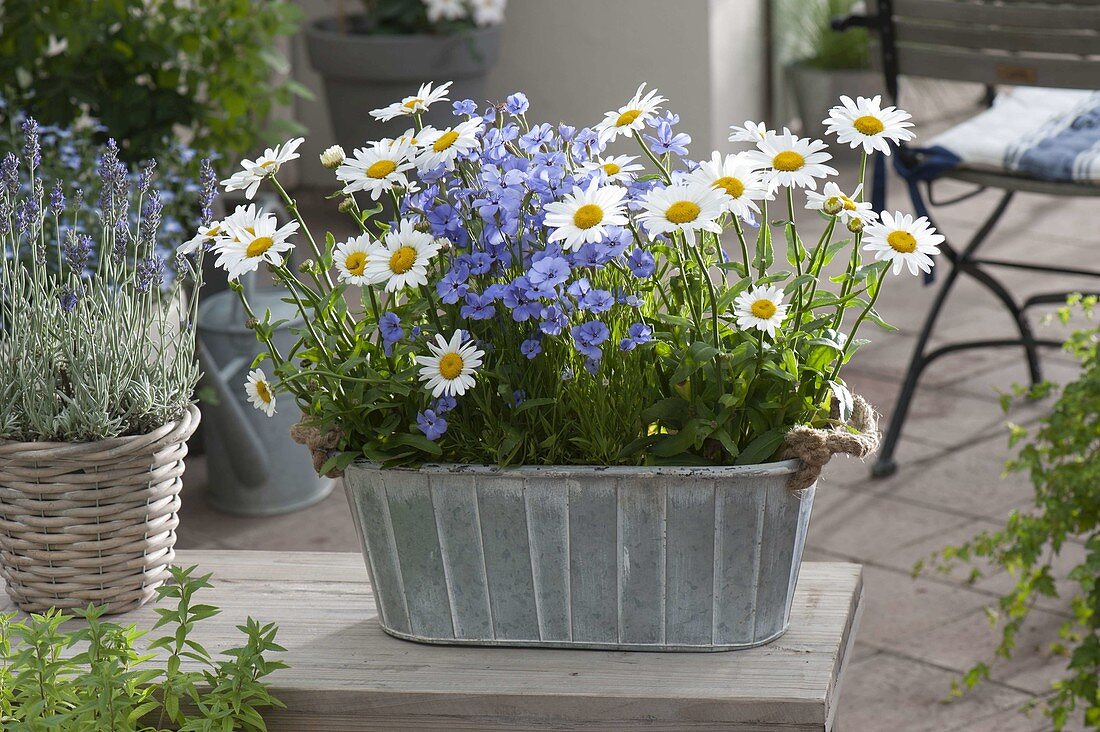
576 59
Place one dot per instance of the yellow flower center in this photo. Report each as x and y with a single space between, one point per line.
611 168
267 164
849 204
263 392
411 104
627 117
213 231
902 241
868 125
587 216
381 169
258 246
730 185
788 161
445 141
682 212
763 308
402 260
450 366
355 263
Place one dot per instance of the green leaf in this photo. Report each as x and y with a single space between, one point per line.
762 448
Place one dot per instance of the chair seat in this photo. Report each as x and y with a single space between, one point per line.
1030 139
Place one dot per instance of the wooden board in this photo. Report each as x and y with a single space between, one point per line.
346 674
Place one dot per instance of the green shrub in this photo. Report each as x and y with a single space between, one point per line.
805 27
1062 457
110 685
149 69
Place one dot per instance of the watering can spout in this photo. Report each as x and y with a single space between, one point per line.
250 461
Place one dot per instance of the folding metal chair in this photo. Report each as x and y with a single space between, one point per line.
1047 43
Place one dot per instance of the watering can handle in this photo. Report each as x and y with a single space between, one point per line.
249 462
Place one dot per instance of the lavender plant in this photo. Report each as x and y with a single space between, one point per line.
543 299
90 347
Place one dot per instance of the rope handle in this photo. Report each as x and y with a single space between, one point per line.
815 447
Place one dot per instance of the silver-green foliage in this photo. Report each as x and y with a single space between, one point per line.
89 349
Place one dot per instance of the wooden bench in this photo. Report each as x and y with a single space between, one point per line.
346 674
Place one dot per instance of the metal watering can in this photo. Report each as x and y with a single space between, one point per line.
254 467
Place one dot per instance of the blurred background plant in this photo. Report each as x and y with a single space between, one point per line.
407 17
1062 457
79 156
152 71
805 30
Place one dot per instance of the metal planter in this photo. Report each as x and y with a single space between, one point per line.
649 559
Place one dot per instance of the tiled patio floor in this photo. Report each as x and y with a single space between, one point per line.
917 634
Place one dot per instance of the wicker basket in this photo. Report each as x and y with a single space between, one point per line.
91 522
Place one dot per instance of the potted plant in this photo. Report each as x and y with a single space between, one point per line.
565 415
371 58
827 63
97 357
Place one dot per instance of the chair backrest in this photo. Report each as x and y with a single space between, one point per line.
1053 43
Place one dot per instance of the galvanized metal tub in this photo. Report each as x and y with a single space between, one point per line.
647 559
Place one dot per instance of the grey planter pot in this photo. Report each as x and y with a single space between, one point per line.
817 90
647 559
254 468
364 72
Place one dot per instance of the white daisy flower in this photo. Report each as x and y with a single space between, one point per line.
445 10
632 116
378 168
401 258
583 216
419 102
243 218
903 241
788 160
442 147
864 122
752 132
351 259
761 308
243 248
488 12
260 392
267 164
835 202
450 369
614 168
685 207
332 156
734 176
208 233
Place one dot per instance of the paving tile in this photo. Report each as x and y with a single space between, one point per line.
959 644
886 692
896 604
871 527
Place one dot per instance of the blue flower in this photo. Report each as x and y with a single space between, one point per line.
637 334
444 404
530 348
516 104
666 141
518 397
641 263
549 271
539 137
596 301
452 287
464 108
432 425
389 325
478 307
588 337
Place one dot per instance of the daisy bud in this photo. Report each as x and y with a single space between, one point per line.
855 225
423 226
306 267
251 323
832 206
332 157
347 205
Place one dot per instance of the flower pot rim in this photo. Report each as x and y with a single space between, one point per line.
325 26
191 416
706 472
